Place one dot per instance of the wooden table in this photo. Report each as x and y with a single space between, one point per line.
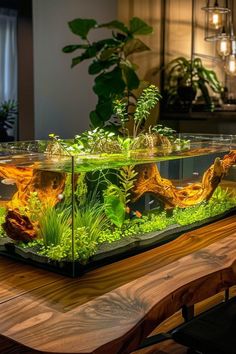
112 309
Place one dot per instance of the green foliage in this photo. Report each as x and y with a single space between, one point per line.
144 104
110 61
54 226
89 222
91 216
220 202
103 140
33 208
148 99
156 222
83 248
164 131
92 228
114 205
2 220
8 114
127 176
98 140
81 27
134 227
80 192
191 214
81 189
120 111
58 146
177 143
181 72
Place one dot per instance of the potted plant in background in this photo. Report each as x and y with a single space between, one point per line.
8 115
115 72
184 79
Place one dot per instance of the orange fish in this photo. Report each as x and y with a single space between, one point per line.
138 214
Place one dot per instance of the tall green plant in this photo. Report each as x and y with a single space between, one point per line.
54 226
114 205
127 177
91 217
145 103
115 72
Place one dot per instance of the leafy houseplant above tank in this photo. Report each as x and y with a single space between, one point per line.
8 114
184 79
115 72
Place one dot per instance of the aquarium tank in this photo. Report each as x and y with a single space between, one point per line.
73 205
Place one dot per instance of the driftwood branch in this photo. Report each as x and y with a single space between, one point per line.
150 181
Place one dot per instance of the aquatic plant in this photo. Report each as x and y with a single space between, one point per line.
137 226
160 221
148 99
84 248
98 140
191 214
221 195
156 222
80 191
164 131
143 106
105 141
91 216
178 144
127 177
54 226
220 202
114 204
92 228
33 208
89 221
3 211
58 146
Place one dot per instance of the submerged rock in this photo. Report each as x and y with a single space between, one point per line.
19 227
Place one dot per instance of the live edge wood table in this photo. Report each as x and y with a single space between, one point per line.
112 309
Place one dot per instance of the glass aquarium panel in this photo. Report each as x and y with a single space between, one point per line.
70 212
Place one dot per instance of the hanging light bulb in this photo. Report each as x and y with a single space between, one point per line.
230 62
223 44
215 17
230 65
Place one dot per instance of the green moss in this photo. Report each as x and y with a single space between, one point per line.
152 222
220 202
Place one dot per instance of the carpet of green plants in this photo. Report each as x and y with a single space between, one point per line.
94 225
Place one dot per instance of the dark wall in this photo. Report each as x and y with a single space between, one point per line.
10 4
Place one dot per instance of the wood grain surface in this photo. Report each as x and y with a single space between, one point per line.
112 309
